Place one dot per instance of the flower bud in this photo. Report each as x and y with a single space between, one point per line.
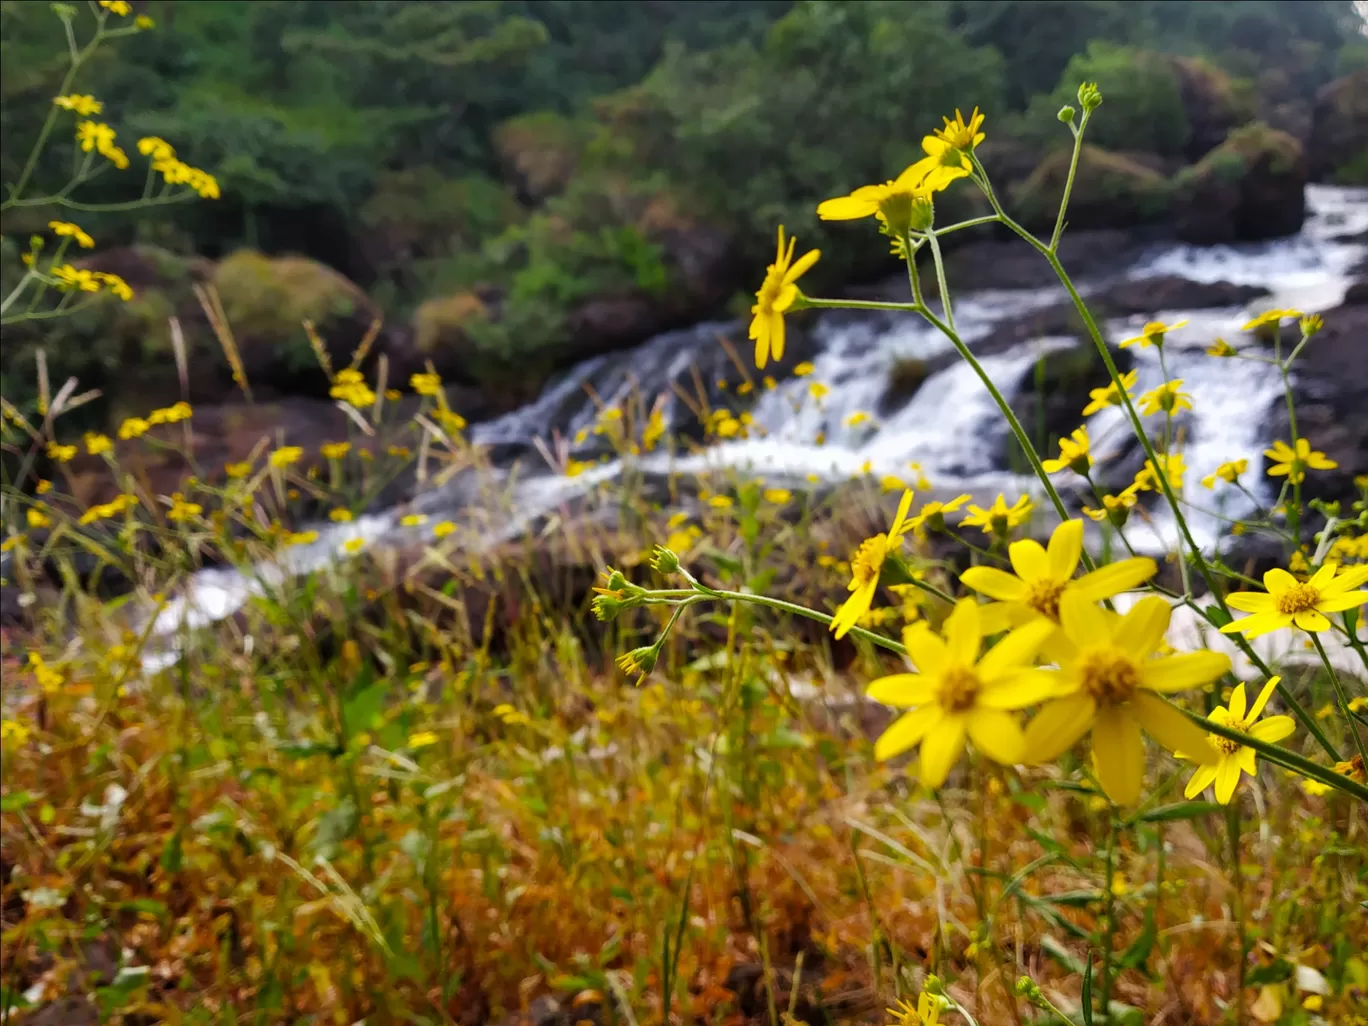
1030 990
640 661
1089 97
606 607
1066 114
616 580
934 986
664 561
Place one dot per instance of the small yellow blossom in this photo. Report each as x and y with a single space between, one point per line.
1115 508
1168 398
1173 467
900 205
720 502
49 678
865 566
97 136
1110 395
285 456
157 149
1289 602
82 104
237 470
856 418
1221 348
818 390
443 529
1229 472
1311 324
106 510
1074 454
932 515
120 7
97 443
69 277
574 468
144 22
803 369
1235 758
778 496
1270 317
926 1013
1285 461
37 518
334 450
73 231
116 285
1152 334
421 739
44 486
426 384
999 519
413 519
12 731
61 453
353 545
299 538
133 427
340 516
182 510
776 294
399 451
171 414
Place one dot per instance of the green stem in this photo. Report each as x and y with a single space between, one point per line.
1237 882
811 614
1069 182
1282 756
1341 697
1109 934
941 283
1294 510
803 302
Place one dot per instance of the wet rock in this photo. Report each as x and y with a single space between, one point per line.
1330 390
1049 398
1146 296
1356 294
1251 187
1338 147
906 376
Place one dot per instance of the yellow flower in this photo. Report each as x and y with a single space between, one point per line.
443 529
116 285
818 390
105 510
1228 472
182 510
574 468
451 420
1315 788
237 470
778 496
1221 348
393 394
999 518
285 456
1110 684
1110 395
69 277
720 502
775 295
1270 317
299 538
171 414
1044 576
1172 466
956 693
1236 758
334 450
1285 461
1074 454
803 369
13 730
37 518
74 231
1152 334
902 204
413 520
142 21
49 679
654 430
340 516
1311 324
82 104
119 7
1167 398
866 565
1289 602
95 135
927 1012
353 545
61 453
856 418
932 515
157 149
44 486
426 384
1115 508
960 135
421 739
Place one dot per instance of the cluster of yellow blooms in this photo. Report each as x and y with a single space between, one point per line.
350 386
99 137
175 171
69 278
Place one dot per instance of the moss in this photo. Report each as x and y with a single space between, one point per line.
1254 142
541 151
447 319
1110 190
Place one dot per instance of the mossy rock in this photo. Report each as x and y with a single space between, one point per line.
1215 104
1338 147
266 301
540 153
1250 187
441 326
1051 395
906 375
1111 190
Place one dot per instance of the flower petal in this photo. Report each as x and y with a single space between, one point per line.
1016 650
1058 725
940 748
904 690
1083 622
1180 672
907 730
1227 777
1172 729
1029 559
846 208
962 634
1200 780
1141 631
1237 704
1338 603
1322 577
1278 580
1251 602
995 583
801 267
1258 624
1118 755
1113 579
997 735
925 649
777 335
1020 689
1066 549
1273 729
1311 620
1350 578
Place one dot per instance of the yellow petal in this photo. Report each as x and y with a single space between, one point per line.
906 731
1020 689
995 583
1311 620
1200 780
1258 624
1277 581
1172 729
1251 602
1015 651
1322 577
1264 696
1028 559
1179 672
1237 702
997 735
1337 603
846 208
1118 755
1273 729
1142 629
925 649
1066 549
1057 726
904 690
962 636
777 335
801 267
940 748
1113 579
1227 777
1082 621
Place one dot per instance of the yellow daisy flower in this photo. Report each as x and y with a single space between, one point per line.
1237 758
1044 576
1271 317
73 231
1110 684
1152 334
1229 472
956 694
1115 508
285 456
999 518
1167 398
1285 461
1289 602
926 1012
775 295
1110 395
1074 454
865 567
932 515
1221 348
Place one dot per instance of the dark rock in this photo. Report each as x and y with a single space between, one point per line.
905 377
1250 187
1338 147
1111 190
1356 294
1049 399
1211 103
1330 393
1147 296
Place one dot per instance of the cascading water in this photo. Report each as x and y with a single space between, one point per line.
949 427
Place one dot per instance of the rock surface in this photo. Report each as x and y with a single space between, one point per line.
1338 147
1251 187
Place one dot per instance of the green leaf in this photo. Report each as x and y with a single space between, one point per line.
1217 616
1276 971
1087 994
1178 810
151 906
15 801
360 708
171 856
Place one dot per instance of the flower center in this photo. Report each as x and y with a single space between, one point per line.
769 291
1298 599
959 689
1109 675
1223 744
1044 597
868 560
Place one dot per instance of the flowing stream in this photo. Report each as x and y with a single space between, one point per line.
949 428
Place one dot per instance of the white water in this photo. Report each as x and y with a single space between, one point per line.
950 428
